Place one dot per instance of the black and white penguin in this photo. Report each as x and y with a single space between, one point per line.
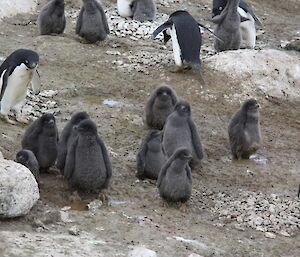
17 72
184 31
247 27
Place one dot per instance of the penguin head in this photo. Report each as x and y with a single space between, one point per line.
86 126
183 154
164 93
78 117
183 108
28 57
60 3
48 120
250 106
22 156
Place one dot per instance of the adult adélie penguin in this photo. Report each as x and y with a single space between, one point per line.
16 73
185 33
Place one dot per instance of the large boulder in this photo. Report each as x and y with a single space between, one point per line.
269 72
18 189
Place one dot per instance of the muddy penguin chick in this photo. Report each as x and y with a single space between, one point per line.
65 137
160 104
52 18
175 179
28 159
143 10
244 130
87 167
228 27
181 131
41 138
151 156
91 22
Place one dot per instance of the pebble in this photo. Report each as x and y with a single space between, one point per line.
270 235
74 231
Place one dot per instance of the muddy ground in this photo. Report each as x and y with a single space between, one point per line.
85 76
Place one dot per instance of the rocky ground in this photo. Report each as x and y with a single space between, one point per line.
246 208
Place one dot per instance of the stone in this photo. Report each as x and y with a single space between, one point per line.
141 251
74 231
270 235
1 156
94 205
18 189
195 255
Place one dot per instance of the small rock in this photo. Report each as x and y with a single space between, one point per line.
195 255
74 231
140 251
1 156
94 205
270 235
284 233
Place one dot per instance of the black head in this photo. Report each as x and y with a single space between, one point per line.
47 120
86 126
78 117
250 105
183 108
183 154
59 3
179 13
22 156
28 57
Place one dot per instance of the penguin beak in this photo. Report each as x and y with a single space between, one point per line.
51 122
32 65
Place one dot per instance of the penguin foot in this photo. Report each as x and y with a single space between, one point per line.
184 207
177 69
104 197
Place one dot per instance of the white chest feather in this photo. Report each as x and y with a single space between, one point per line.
247 29
17 84
124 9
176 47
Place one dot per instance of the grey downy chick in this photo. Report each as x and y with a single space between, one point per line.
244 130
151 156
175 179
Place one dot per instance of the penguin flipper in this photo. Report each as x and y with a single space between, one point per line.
70 160
36 82
209 30
105 158
8 71
163 170
196 140
79 21
161 28
248 9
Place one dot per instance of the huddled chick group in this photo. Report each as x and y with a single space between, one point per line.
167 154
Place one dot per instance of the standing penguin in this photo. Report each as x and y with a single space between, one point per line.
175 178
151 156
52 18
160 104
66 135
91 22
87 166
181 131
186 39
41 138
228 27
140 10
247 27
28 159
244 130
17 71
